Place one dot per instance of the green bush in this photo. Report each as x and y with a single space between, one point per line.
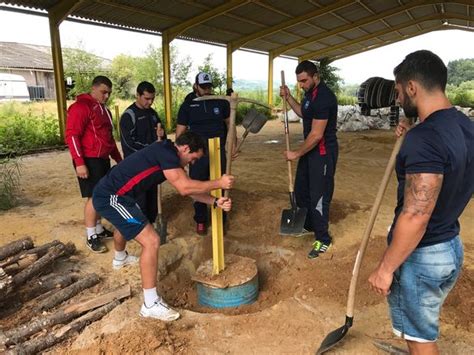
20 133
346 99
9 182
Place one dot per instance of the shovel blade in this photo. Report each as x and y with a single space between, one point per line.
334 337
161 228
249 117
257 123
292 221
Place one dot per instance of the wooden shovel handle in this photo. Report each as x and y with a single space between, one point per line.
370 225
230 136
287 137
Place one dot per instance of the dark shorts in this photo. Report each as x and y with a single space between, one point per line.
122 211
98 168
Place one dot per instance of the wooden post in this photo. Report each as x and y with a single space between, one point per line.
217 213
117 122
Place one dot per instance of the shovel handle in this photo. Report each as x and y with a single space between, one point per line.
230 136
370 225
287 138
242 140
158 126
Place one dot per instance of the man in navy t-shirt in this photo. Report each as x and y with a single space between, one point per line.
314 182
435 171
209 119
115 198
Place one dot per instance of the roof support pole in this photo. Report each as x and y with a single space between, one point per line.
165 48
229 66
56 15
270 79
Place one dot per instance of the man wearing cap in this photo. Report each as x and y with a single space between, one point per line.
209 119
317 156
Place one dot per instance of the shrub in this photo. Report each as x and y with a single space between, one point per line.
9 182
20 133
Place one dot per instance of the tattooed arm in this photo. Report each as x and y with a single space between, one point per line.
421 194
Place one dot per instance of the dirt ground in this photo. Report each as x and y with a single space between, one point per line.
300 300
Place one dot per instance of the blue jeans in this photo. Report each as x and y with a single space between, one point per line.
419 288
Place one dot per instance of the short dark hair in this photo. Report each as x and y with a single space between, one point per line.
145 86
193 140
100 79
425 67
306 66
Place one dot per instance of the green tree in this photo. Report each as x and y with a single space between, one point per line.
82 67
122 75
460 70
218 77
329 75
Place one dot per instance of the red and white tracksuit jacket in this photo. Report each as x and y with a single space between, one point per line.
89 130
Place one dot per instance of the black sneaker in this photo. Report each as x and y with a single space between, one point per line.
95 244
106 234
318 247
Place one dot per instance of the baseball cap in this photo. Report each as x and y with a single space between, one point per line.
204 79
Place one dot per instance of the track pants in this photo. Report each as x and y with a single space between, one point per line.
314 187
200 171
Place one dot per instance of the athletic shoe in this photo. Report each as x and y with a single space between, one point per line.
201 228
95 244
129 260
106 234
318 248
160 310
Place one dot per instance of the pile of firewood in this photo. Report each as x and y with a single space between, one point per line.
32 292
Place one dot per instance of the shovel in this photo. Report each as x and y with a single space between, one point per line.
292 220
253 123
336 335
161 224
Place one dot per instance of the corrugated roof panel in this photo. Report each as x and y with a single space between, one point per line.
304 30
290 8
327 21
352 12
379 6
374 26
257 16
398 19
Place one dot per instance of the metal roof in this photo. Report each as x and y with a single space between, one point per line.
307 29
31 56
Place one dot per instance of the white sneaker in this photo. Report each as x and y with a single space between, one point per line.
129 260
160 310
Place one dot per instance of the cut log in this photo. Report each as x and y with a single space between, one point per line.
40 251
15 247
6 284
41 343
68 292
64 315
45 284
43 263
16 267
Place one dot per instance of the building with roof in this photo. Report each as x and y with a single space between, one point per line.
32 62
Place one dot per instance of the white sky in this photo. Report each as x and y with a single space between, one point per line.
106 42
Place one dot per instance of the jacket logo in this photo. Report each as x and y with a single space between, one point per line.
216 110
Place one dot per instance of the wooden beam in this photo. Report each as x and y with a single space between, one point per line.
341 29
386 43
291 22
56 15
383 32
175 31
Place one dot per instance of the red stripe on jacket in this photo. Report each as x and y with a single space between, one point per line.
136 179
